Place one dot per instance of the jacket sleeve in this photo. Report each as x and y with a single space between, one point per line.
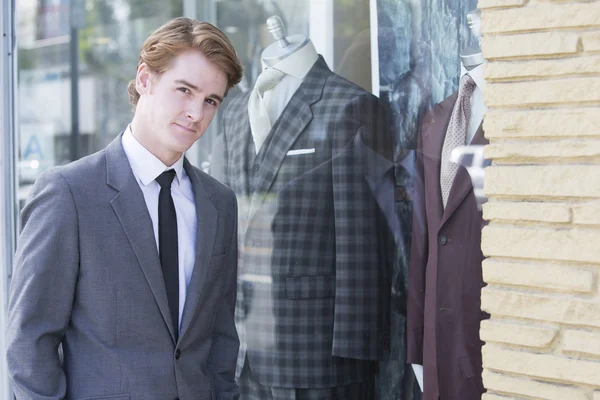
42 290
360 330
225 342
417 263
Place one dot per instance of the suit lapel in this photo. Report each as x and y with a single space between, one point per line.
294 119
433 140
130 207
462 184
206 217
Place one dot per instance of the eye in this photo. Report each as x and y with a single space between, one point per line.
184 90
212 102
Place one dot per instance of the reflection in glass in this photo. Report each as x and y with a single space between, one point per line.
107 44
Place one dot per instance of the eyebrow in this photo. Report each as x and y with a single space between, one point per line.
194 87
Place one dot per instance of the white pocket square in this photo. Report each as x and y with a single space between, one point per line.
300 151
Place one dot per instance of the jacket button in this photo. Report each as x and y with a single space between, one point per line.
255 167
177 354
443 239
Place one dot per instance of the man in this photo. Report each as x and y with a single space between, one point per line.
128 257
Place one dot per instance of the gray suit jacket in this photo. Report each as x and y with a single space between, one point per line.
315 258
88 276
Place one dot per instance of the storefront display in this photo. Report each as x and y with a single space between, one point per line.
318 142
313 300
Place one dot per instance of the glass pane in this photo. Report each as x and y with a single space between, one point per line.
52 129
336 168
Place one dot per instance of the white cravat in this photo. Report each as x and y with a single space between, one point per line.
260 123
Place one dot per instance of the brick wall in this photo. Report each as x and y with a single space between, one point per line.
543 240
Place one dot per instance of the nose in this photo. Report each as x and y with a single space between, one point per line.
195 111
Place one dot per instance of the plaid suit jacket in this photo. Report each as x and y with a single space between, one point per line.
315 250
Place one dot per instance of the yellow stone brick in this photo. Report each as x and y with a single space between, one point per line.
542 16
575 244
523 335
586 214
490 396
538 275
591 41
528 387
547 366
564 310
529 44
535 151
582 342
526 211
485 4
550 181
543 123
542 93
514 70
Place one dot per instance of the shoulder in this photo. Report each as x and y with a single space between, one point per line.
81 172
70 178
217 191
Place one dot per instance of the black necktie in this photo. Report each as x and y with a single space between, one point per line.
167 244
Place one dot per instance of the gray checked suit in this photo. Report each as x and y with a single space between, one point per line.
88 276
315 257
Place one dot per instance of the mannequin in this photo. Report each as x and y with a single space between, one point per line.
305 331
295 56
471 63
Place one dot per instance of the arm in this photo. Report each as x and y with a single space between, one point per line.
225 342
42 290
360 329
418 261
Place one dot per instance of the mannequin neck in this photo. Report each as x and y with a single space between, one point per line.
297 63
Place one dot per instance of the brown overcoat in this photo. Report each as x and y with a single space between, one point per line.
445 278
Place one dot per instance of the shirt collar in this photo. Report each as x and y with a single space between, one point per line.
476 73
299 63
145 165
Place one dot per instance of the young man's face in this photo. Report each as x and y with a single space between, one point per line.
176 107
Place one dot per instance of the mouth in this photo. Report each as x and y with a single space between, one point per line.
188 130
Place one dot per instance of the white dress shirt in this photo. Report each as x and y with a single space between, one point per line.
295 66
478 108
146 168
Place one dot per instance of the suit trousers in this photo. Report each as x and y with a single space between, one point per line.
251 389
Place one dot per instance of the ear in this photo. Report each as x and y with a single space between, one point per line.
143 79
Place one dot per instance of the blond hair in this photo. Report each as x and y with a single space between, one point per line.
183 34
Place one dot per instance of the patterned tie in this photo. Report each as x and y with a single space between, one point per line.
167 244
260 124
456 135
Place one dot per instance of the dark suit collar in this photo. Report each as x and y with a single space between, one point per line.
312 85
206 219
118 170
131 210
463 183
433 135
479 138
